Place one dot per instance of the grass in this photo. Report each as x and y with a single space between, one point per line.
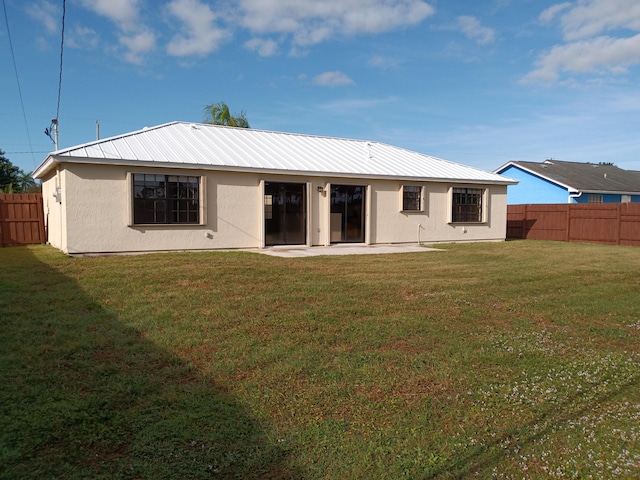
504 360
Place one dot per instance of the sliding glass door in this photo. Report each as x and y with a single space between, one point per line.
347 213
285 209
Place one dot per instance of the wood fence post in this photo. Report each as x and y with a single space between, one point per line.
568 227
40 209
524 223
1 222
619 224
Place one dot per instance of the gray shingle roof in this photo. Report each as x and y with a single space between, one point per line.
583 177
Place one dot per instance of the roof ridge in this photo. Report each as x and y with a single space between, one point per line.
279 132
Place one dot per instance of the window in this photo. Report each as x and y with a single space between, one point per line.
166 199
595 199
467 205
411 198
268 207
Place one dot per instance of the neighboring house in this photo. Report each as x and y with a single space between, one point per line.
554 181
184 186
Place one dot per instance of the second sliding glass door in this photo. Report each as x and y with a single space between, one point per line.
285 213
347 213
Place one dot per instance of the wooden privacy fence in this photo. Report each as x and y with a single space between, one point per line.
609 223
21 219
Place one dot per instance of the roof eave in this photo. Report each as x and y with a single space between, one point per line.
603 192
45 167
53 160
537 174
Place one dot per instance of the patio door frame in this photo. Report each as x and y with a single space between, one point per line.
332 220
306 209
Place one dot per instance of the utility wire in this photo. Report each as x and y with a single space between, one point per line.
15 69
64 12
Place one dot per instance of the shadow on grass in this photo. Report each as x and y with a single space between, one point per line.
85 396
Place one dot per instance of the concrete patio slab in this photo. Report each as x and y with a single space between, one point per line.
342 249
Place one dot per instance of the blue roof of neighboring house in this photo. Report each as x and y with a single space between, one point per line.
582 177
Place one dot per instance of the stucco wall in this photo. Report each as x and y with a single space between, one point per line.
97 198
54 213
95 212
390 225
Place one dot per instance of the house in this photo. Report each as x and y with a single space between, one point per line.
554 181
185 186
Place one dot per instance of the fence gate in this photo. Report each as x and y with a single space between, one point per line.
21 219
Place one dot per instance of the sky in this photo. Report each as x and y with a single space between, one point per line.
480 83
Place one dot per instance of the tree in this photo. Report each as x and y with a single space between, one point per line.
219 114
13 179
27 183
8 175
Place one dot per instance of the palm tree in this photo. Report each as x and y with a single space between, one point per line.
26 183
219 114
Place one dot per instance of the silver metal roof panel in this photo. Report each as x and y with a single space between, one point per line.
212 146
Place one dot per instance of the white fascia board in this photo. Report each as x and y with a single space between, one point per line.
137 164
503 167
608 192
537 174
45 166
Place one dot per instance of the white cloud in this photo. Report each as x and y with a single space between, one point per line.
592 17
83 38
611 54
311 22
587 50
138 44
473 30
202 26
123 12
550 13
349 107
265 48
134 35
201 35
46 13
384 63
333 79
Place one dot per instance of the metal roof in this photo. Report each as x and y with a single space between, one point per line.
582 177
203 146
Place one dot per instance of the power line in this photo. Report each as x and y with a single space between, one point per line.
15 69
31 151
52 131
64 12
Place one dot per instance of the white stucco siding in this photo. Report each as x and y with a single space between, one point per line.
432 225
100 199
53 211
95 213
440 228
233 208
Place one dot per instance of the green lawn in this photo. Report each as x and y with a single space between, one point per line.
504 360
